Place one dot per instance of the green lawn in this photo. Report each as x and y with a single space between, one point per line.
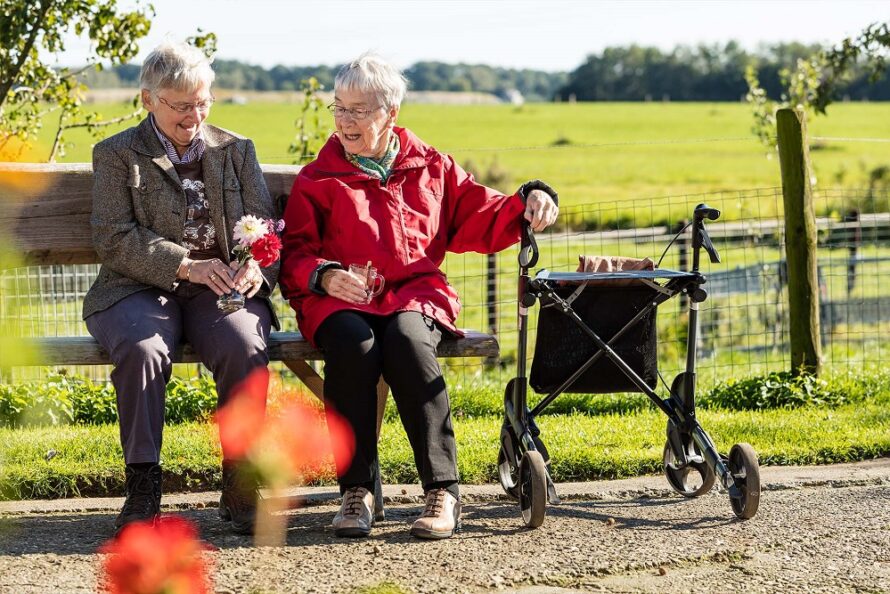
614 151
589 438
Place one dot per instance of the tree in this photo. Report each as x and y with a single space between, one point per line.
816 81
30 88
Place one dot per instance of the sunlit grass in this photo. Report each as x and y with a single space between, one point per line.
616 151
65 461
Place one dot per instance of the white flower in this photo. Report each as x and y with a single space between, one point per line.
248 229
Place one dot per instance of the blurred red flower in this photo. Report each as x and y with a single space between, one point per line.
296 442
241 419
160 558
266 250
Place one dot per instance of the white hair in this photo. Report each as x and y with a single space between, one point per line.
177 66
370 72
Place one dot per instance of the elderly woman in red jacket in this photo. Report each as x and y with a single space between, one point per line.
377 193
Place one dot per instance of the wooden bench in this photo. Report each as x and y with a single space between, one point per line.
45 210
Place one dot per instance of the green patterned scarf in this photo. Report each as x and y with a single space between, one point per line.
379 168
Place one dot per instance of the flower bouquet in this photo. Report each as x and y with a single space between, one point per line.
257 239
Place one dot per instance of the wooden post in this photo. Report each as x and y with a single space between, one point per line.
800 242
854 240
491 299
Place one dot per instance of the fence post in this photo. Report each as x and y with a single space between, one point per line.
854 240
800 242
491 298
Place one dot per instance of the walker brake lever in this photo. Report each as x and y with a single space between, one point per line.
709 247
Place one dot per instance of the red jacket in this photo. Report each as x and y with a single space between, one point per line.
404 227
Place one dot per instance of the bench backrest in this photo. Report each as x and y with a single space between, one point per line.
45 208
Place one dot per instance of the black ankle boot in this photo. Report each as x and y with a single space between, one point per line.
143 496
239 497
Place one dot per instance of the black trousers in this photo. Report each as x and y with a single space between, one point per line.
358 348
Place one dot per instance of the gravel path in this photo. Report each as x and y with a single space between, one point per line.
819 529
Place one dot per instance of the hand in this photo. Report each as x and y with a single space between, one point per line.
248 279
540 210
344 285
212 273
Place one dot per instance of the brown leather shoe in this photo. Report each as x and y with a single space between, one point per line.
440 517
238 502
356 515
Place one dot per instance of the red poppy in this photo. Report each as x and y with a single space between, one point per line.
160 558
296 441
306 438
266 250
241 419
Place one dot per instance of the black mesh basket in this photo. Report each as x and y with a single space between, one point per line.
562 347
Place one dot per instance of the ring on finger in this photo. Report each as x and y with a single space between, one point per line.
213 276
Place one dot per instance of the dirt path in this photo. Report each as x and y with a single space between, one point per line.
820 529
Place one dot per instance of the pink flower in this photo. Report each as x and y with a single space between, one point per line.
164 558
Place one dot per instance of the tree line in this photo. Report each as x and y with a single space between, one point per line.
632 73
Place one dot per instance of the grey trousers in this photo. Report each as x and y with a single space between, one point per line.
141 332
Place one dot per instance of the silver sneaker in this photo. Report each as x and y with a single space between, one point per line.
356 515
440 517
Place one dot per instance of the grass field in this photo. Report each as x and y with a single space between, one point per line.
606 151
87 459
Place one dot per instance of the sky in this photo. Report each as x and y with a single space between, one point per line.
551 35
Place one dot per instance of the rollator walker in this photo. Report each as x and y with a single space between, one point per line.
596 334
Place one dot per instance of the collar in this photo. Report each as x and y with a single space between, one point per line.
194 151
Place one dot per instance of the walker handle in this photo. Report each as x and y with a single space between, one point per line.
700 237
528 247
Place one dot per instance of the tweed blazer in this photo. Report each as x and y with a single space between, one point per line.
139 209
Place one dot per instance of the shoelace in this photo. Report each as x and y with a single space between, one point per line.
435 501
353 503
141 497
239 497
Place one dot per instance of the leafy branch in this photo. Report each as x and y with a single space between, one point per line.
311 132
815 82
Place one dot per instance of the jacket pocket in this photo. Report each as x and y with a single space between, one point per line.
146 202
232 199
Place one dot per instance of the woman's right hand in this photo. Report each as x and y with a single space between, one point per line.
344 285
213 273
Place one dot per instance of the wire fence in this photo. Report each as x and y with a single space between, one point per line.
744 321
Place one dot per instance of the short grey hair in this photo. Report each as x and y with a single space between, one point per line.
370 72
177 66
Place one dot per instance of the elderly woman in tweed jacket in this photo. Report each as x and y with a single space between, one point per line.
166 195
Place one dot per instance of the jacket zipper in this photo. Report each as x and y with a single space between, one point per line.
405 255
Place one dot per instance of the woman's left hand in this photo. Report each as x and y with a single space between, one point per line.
540 210
248 279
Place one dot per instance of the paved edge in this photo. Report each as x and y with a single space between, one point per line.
772 478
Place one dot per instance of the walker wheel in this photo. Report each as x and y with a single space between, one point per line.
509 459
508 474
533 489
693 479
745 470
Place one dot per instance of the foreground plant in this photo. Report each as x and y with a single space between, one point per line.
160 558
291 446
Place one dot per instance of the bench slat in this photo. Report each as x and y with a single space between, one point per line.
45 208
282 346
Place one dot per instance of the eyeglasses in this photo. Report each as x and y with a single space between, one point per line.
356 114
187 107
